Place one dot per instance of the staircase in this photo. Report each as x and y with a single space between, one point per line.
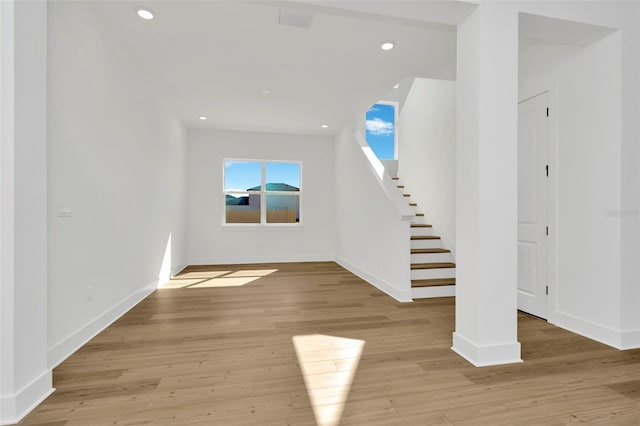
432 269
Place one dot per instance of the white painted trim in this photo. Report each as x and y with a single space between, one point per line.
62 350
401 295
486 355
14 408
437 291
177 269
630 339
600 333
258 259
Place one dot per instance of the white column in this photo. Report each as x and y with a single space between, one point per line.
630 190
486 201
25 378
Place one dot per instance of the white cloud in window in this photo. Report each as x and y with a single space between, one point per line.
378 126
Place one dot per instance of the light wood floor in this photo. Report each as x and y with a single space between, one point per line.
230 347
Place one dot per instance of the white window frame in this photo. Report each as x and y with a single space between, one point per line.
263 194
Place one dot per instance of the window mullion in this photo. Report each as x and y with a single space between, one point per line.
263 197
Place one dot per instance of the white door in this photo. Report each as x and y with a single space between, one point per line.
532 205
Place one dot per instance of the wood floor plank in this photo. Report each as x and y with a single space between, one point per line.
226 355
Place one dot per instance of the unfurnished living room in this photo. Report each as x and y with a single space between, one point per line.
327 212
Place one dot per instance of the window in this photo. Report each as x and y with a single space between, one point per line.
381 130
262 192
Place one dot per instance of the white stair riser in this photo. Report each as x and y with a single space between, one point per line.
436 291
425 243
427 274
421 231
430 257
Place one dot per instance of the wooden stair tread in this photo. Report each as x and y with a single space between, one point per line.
400 186
430 250
395 178
413 204
425 237
438 265
420 214
406 195
420 225
433 282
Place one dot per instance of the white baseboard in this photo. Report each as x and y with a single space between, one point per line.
486 355
14 408
401 295
436 291
615 338
177 269
258 259
630 339
62 350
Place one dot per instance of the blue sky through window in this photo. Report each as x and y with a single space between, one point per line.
242 175
380 130
288 173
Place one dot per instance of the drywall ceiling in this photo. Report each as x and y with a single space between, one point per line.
219 58
542 30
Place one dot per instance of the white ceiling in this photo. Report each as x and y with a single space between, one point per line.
542 30
214 58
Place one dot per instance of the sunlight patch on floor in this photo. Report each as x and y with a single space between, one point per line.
213 279
179 283
202 275
328 366
253 273
227 281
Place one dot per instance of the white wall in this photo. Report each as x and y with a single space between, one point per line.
588 184
117 161
594 128
372 240
25 378
427 153
211 242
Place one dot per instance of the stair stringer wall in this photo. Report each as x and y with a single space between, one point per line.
373 235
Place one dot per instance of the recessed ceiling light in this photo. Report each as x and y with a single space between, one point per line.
203 117
145 14
396 86
325 126
387 45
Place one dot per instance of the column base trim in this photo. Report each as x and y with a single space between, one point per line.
13 408
486 355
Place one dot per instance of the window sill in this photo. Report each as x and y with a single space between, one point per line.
255 226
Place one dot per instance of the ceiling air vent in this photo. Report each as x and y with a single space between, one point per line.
295 18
